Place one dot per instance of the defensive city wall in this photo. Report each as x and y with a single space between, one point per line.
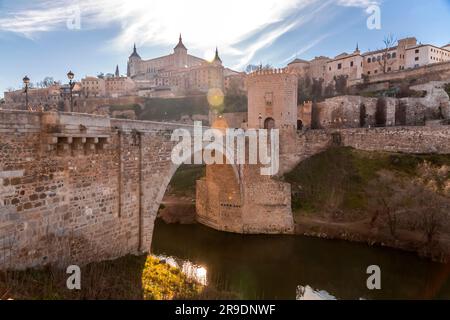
76 188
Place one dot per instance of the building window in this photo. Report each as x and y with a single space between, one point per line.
268 98
417 59
351 63
339 66
388 55
369 60
417 50
394 55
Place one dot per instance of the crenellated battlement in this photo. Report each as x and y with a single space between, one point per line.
265 72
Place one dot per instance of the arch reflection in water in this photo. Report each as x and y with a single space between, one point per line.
308 293
272 267
191 270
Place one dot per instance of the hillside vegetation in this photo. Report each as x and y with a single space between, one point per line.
387 191
184 180
173 109
159 109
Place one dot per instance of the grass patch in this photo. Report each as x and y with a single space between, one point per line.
173 109
159 109
130 278
337 180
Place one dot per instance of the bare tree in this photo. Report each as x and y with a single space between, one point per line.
386 57
433 213
386 203
253 67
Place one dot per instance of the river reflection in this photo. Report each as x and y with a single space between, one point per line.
273 267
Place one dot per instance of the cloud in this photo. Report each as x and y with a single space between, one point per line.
358 3
203 23
307 47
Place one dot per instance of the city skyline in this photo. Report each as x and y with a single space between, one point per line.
301 29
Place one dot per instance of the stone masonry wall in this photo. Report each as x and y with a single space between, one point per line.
55 205
414 140
348 111
432 72
78 188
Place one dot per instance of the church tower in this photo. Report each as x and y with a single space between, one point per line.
217 59
133 63
180 53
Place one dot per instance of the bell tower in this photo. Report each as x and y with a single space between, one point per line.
180 53
133 63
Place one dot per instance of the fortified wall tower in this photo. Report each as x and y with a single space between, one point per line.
254 203
272 99
272 103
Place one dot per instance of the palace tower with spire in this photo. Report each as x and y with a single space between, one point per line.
177 73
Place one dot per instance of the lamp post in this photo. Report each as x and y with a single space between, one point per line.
70 75
26 81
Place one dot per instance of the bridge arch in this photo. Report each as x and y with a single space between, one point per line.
149 217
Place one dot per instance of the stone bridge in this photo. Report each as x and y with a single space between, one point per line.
76 188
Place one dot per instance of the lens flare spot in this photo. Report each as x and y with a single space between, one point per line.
215 97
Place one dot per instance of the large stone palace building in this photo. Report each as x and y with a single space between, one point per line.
178 73
407 54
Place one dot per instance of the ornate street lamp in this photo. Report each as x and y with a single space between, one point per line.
70 75
26 81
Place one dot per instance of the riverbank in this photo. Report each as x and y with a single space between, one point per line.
438 250
127 278
394 200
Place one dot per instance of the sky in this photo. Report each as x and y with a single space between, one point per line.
42 38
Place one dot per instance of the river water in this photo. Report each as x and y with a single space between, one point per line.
272 267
